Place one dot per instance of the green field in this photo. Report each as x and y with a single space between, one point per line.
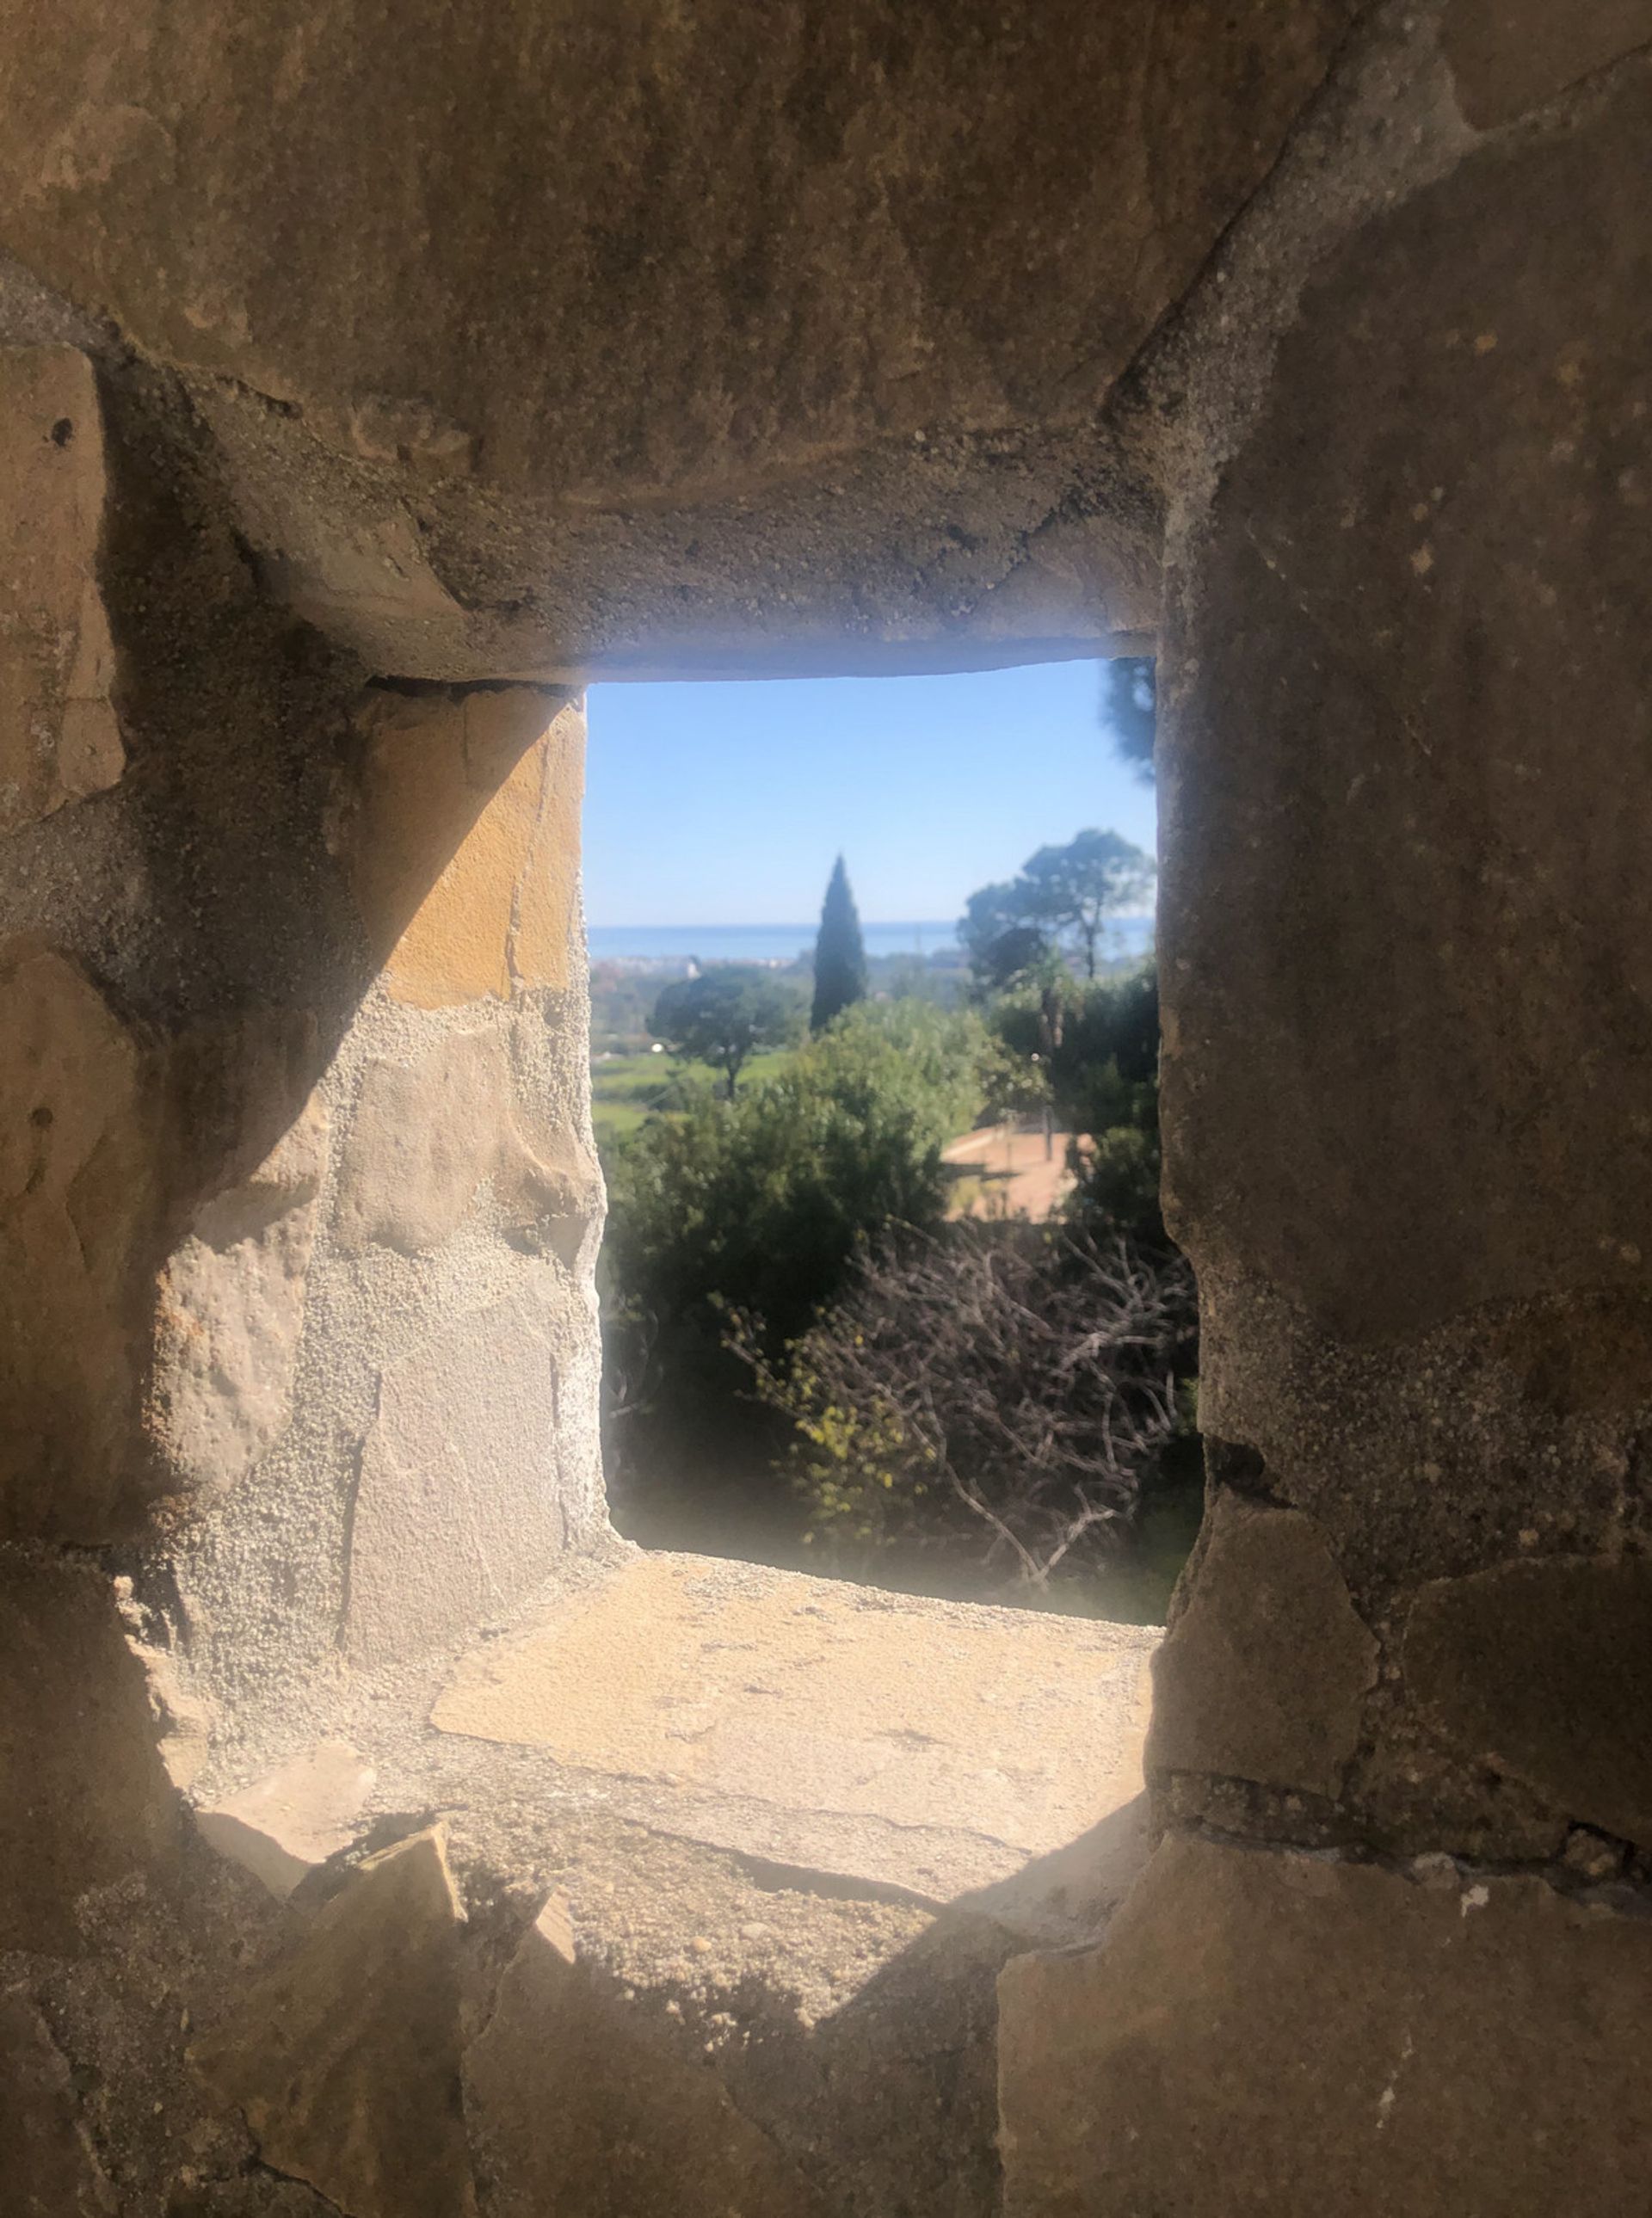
626 1088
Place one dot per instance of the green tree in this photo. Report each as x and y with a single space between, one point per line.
839 953
758 1202
1001 944
1102 1062
1129 705
1056 905
724 1016
1073 890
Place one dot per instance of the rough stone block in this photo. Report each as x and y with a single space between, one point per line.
47 2158
462 840
1509 55
579 2107
1264 1675
184 1719
423 1138
459 1509
344 2058
230 1311
77 1194
426 1135
930 1745
549 1191
543 945
1434 902
1544 1669
60 740
1289 2035
883 232
283 1827
86 1802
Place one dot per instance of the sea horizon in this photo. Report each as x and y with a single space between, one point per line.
773 943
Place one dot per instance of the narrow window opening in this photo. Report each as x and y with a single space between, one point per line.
886 1292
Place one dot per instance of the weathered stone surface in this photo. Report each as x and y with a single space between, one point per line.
1509 55
1287 2036
255 2195
578 2106
932 1745
50 2167
77 1187
459 1509
345 2057
1437 900
790 248
462 839
1544 1669
230 1310
60 740
282 1827
1402 1451
184 1717
85 1801
1265 1673
548 1188
543 934
424 1136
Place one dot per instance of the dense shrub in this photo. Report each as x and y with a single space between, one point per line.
1099 1045
1000 1392
760 1201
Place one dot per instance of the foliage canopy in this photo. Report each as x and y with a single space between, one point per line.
1129 708
759 1201
1002 1392
725 1016
1101 1059
1056 908
839 953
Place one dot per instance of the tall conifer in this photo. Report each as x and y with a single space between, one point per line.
839 953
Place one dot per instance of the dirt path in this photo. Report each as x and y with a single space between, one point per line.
1005 1171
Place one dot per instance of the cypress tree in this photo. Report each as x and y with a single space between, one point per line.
839 954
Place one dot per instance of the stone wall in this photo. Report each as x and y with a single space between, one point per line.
363 384
1389 1955
299 1174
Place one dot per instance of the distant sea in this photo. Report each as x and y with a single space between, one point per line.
783 943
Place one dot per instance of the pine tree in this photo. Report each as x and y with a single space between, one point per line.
1129 708
839 953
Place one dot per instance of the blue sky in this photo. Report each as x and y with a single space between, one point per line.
726 803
